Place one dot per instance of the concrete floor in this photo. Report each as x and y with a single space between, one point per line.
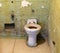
19 46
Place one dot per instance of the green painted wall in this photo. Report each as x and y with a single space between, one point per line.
22 14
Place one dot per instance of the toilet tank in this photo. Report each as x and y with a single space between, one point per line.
33 21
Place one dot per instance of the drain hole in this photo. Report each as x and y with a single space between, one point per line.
32 27
53 42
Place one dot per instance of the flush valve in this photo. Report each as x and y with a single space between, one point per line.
12 16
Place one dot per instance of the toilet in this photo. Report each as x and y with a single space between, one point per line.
32 29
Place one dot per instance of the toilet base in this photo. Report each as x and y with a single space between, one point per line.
32 45
32 40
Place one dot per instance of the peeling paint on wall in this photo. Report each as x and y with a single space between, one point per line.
38 9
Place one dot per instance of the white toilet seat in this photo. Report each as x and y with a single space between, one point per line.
37 27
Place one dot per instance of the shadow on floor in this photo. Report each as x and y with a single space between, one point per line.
40 39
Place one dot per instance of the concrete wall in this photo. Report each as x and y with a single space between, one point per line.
54 25
22 14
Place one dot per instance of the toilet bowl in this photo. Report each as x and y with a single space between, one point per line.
32 29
